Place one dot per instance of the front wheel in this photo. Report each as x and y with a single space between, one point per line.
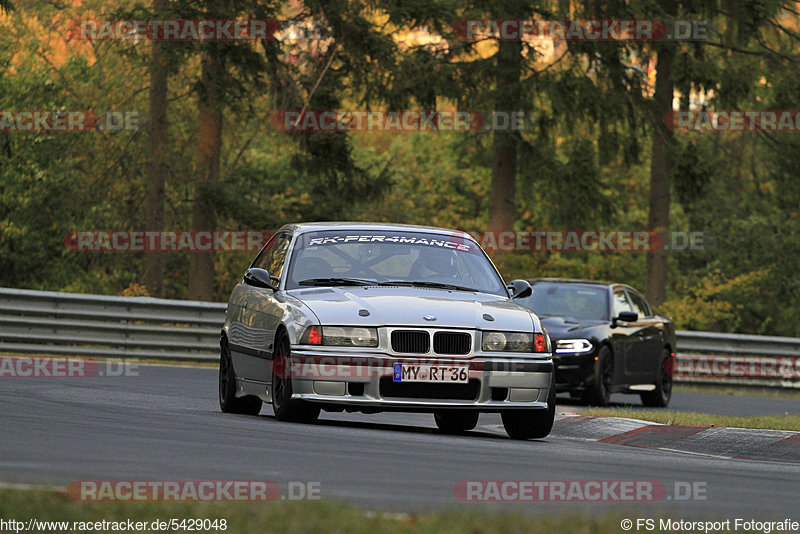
228 402
659 397
600 392
454 421
285 408
531 424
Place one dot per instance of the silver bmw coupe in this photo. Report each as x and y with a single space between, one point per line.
372 317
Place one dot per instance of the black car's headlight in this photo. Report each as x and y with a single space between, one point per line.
573 346
514 342
340 336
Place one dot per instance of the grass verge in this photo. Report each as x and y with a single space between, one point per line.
668 417
743 391
322 517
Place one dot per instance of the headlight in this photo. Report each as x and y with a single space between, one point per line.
573 346
513 342
341 336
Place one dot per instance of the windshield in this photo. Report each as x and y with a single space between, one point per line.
378 257
574 301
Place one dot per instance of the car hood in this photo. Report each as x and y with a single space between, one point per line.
566 327
401 306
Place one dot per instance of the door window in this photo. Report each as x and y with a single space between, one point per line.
639 304
621 303
273 257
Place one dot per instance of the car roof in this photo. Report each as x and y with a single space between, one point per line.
580 281
569 281
300 228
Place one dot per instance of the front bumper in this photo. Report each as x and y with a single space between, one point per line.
364 381
574 372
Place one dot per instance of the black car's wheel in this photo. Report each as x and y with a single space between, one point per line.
284 407
453 421
659 397
600 392
531 424
228 402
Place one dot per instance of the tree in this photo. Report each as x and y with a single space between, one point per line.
157 149
660 165
502 201
209 140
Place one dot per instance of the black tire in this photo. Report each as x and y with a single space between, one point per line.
455 421
659 397
600 392
284 407
531 424
228 402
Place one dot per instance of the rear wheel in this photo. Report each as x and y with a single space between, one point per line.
453 421
228 402
659 397
285 408
531 424
600 392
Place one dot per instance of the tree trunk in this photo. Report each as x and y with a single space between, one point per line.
502 205
154 210
660 172
209 140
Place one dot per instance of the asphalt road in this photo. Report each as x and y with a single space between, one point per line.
165 424
721 404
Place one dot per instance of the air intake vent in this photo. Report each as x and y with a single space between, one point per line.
424 390
411 341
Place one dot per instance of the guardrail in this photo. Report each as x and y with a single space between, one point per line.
72 324
46 322
738 359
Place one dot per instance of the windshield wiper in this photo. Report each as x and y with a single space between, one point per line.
337 282
418 283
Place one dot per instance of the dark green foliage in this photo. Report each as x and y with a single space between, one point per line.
582 161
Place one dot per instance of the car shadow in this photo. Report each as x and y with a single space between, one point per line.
397 427
635 404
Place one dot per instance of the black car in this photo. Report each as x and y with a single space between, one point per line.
607 339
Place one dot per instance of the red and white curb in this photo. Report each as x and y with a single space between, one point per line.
719 442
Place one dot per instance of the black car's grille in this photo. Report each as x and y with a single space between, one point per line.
452 343
411 341
422 390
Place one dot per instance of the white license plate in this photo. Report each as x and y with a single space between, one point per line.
411 372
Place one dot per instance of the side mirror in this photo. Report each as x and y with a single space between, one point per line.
260 278
626 317
520 289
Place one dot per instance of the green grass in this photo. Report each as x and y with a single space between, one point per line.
668 417
746 391
307 517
